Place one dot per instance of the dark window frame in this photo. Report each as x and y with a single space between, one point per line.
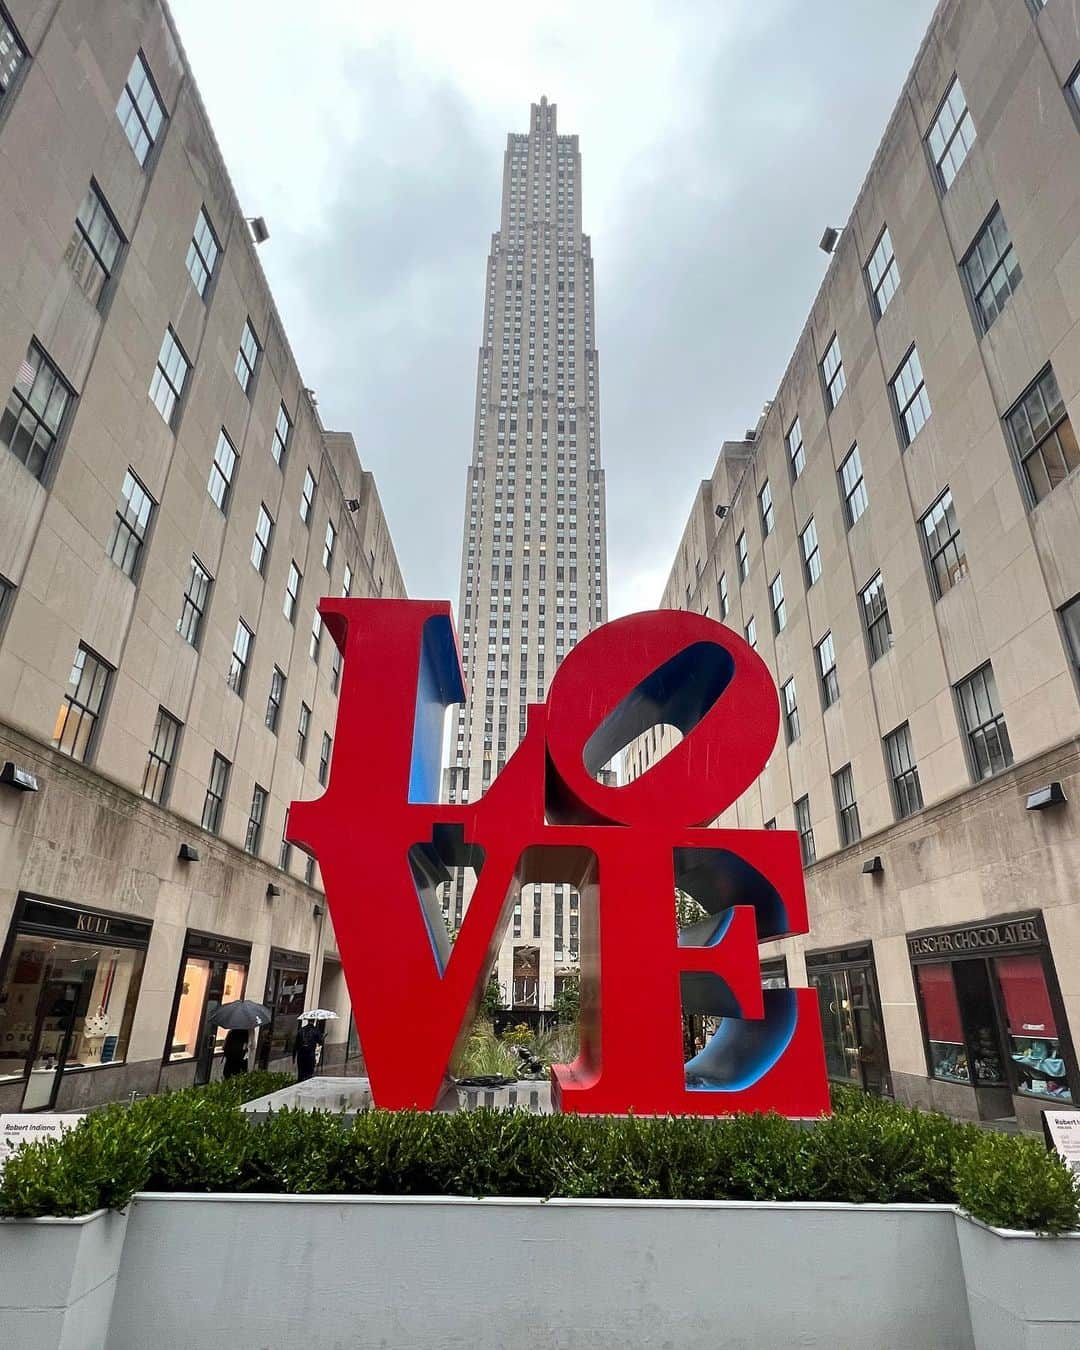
256 817
1059 432
82 232
790 707
811 559
847 807
246 361
889 273
127 531
190 605
804 826
161 757
797 453
155 136
936 159
828 678
874 617
830 380
85 709
217 789
16 69
161 377
857 492
976 736
918 398
240 659
903 770
275 698
957 571
977 290
218 473
209 267
20 406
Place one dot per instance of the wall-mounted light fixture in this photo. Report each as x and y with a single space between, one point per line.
11 775
721 512
316 911
353 503
1050 795
259 231
188 853
828 240
272 891
872 866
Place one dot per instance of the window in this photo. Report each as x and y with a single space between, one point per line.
744 556
904 772
875 613
77 719
808 540
791 712
202 254
796 453
316 637
324 758
221 471
309 872
302 725
275 698
991 269
95 244
832 370
7 592
1070 618
945 550
253 833
335 668
988 737
806 831
765 504
346 581
194 606
951 136
1074 88
1043 436
846 808
751 632
285 852
282 432
160 760
12 55
241 653
328 545
247 357
260 545
35 410
776 599
883 273
830 681
307 496
724 602
139 110
170 376
910 398
215 793
292 591
854 489
129 528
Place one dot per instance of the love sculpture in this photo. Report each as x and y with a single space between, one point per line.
384 843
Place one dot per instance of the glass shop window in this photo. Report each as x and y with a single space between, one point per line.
1031 1036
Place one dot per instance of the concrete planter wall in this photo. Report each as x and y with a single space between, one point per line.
443 1274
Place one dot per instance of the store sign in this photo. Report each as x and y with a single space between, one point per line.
16 1130
82 923
1062 1130
385 844
977 937
205 944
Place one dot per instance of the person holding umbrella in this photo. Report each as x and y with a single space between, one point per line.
238 1019
309 1040
235 1051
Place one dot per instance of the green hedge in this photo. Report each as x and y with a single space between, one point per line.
867 1151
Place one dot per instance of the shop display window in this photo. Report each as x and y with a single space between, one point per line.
204 985
1032 1041
944 1029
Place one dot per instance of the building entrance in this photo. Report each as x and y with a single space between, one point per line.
851 1022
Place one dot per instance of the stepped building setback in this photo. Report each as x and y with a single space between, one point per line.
899 538
171 511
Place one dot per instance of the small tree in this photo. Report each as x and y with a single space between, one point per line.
566 1004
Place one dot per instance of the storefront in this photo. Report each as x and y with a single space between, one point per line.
851 1023
69 982
991 1012
213 971
286 991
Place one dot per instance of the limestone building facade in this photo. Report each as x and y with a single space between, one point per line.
171 510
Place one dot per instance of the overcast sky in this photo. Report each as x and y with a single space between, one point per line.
718 138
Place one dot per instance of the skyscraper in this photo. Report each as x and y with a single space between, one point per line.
533 558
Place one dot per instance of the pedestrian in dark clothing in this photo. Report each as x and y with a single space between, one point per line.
235 1051
306 1048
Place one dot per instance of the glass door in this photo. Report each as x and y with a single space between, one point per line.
837 1024
868 1040
58 1008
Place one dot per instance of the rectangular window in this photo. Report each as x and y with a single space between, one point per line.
170 376
776 599
744 556
944 547
751 632
725 604
1074 88
292 591
324 758
1044 437
316 637
335 668
765 504
328 545
830 681
910 399
952 134
162 756
991 269
7 593
132 521
95 244
1070 619
808 540
215 793
346 581
852 486
903 772
247 357
35 411
307 496
282 432
875 611
302 725
241 654
791 711
883 273
275 699
221 471
309 872
846 809
984 722
202 254
77 719
832 372
260 546
796 453
194 606
285 852
12 55
253 833
806 831
139 110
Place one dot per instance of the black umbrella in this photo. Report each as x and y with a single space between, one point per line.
241 1015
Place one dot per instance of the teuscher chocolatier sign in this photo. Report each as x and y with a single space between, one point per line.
977 937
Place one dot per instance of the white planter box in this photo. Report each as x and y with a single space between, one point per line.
1023 1290
57 1281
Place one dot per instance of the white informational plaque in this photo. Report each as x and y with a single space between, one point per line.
20 1129
1062 1130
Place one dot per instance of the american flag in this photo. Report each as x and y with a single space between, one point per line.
26 373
